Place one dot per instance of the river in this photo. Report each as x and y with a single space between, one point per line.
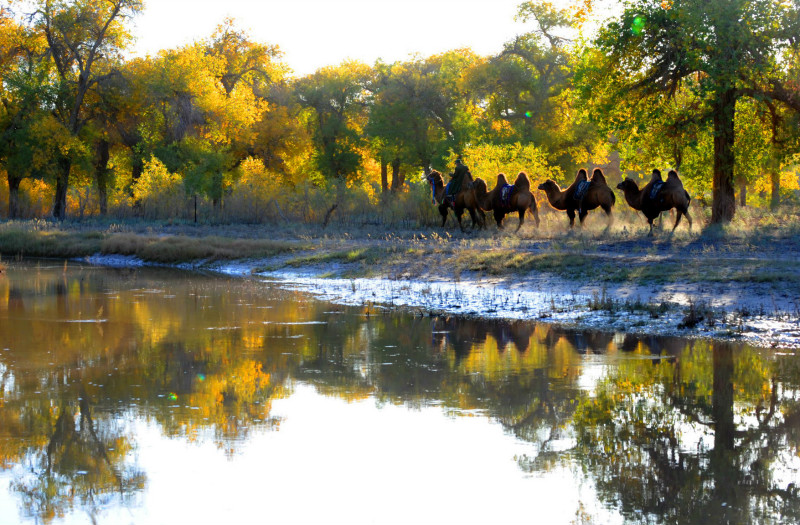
136 395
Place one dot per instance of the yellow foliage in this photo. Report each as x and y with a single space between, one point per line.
487 160
158 189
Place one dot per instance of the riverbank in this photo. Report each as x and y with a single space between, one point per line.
714 283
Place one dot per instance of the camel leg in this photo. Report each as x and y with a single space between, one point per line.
609 215
474 217
678 216
535 211
498 218
571 215
521 219
443 213
582 216
688 218
458 212
650 222
482 217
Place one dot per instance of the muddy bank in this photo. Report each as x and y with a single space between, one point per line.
758 312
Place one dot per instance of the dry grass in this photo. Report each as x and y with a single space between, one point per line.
33 241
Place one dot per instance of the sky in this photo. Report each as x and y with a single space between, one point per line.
318 33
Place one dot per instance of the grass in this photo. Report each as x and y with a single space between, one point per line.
752 250
30 242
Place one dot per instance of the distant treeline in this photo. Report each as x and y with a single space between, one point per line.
222 124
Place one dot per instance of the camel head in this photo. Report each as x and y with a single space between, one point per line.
479 185
434 177
628 185
549 186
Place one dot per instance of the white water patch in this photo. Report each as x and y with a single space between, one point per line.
525 300
466 298
296 323
114 261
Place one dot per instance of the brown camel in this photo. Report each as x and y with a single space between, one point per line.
465 199
506 198
582 195
658 196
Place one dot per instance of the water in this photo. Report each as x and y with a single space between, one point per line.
158 396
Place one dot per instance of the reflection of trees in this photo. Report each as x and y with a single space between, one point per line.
85 464
673 435
706 438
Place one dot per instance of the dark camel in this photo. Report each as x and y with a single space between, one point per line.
518 199
658 196
596 194
465 199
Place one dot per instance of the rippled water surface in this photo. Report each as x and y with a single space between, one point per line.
156 396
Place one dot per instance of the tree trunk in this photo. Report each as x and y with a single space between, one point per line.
742 192
725 474
722 397
775 179
62 184
384 176
101 174
397 177
723 206
13 196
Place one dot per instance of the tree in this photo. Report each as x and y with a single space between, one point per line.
83 37
721 52
421 110
338 97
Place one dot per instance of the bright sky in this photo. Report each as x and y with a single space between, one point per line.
317 33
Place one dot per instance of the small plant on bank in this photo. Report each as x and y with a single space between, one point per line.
696 313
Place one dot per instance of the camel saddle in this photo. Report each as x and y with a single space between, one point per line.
655 190
506 192
580 191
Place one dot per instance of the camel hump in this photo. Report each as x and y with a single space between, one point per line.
656 176
582 175
479 185
501 180
673 175
522 182
597 176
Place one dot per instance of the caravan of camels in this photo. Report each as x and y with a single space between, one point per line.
582 196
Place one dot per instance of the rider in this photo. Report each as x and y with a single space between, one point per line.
456 178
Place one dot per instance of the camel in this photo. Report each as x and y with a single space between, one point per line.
582 195
506 198
465 199
658 196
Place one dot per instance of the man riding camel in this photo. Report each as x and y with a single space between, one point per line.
456 179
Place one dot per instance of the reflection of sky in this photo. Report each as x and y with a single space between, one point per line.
337 462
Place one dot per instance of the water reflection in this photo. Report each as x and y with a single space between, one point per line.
663 430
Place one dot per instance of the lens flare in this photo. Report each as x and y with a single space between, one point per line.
638 25
528 114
